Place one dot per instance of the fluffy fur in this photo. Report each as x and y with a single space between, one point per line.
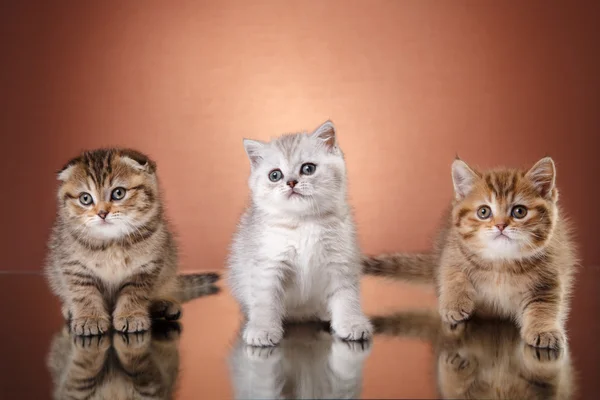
309 363
506 251
295 254
111 251
485 358
119 366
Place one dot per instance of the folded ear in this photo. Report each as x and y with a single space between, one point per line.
543 176
463 178
65 173
138 161
254 149
326 133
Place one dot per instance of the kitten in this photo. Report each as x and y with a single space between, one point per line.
485 358
120 366
111 250
506 251
295 254
309 363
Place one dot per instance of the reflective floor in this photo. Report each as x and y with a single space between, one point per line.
202 357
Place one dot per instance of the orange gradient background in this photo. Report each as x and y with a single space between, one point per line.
408 84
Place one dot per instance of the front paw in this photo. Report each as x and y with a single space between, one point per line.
167 309
548 339
90 325
354 328
131 322
456 310
262 335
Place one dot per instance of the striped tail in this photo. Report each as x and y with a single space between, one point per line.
196 285
410 267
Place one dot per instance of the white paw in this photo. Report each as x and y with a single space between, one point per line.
262 335
353 328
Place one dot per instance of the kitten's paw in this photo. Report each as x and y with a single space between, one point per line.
354 328
131 322
90 325
262 335
131 341
167 309
458 363
551 339
96 343
352 349
254 353
540 355
458 310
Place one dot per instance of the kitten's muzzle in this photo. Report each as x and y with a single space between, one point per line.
292 183
102 214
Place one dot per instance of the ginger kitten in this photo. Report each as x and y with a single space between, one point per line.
295 254
112 256
506 251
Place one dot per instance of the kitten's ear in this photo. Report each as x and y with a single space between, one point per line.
543 176
326 133
463 178
64 174
138 161
254 150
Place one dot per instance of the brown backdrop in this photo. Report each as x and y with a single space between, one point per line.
409 84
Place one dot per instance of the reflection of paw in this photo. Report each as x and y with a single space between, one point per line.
353 328
89 325
541 355
551 339
169 310
91 343
262 335
351 350
254 353
131 322
454 329
457 362
457 310
131 341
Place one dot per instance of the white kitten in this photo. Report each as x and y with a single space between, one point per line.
295 255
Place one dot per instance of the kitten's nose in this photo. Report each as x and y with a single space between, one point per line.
102 214
501 227
292 183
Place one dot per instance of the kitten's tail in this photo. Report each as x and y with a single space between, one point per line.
412 267
196 285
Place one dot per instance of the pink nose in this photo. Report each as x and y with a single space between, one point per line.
102 214
501 227
292 183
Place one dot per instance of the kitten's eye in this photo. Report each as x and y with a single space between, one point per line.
519 212
118 193
85 199
275 175
308 169
484 212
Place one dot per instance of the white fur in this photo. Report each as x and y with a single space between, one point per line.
297 258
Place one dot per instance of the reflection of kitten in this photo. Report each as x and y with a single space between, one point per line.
295 255
506 251
309 363
485 359
111 248
122 366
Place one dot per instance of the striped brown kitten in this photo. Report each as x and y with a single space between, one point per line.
140 365
485 358
112 257
506 251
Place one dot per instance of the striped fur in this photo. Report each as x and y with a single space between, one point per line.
484 358
114 261
499 264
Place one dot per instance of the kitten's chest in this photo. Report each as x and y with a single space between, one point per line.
116 265
498 290
302 245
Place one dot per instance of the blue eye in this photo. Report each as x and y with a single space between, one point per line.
308 169
118 193
85 199
275 175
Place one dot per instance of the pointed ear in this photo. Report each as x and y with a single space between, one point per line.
254 149
543 176
326 133
463 178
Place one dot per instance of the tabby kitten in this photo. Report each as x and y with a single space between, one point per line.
111 251
309 363
295 254
140 365
485 358
506 251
